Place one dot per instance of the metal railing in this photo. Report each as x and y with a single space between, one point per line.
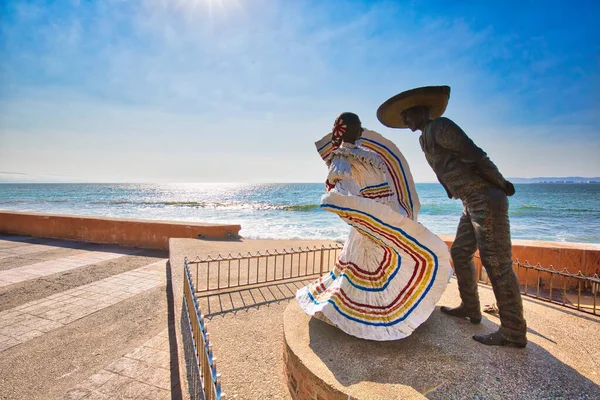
236 271
576 291
207 380
559 287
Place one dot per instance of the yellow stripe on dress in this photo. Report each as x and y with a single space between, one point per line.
374 228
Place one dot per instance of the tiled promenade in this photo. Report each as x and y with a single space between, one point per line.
97 339
141 374
45 268
35 318
22 249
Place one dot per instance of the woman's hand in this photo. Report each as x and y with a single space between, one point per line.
329 185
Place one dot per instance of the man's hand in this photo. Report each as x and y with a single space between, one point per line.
509 188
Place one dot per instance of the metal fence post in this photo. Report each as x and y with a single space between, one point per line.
322 260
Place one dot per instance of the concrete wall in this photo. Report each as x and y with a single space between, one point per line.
155 234
574 257
126 232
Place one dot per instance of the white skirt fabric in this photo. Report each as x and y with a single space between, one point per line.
389 276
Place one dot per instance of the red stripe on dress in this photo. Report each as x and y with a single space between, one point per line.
368 275
379 196
394 178
398 301
420 262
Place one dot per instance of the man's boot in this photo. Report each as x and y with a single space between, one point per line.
497 339
462 312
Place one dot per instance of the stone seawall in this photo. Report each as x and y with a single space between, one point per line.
573 257
125 232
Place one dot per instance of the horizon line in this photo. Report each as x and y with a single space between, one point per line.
242 183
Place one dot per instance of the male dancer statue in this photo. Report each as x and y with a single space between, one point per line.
467 174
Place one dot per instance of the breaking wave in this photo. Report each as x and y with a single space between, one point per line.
201 204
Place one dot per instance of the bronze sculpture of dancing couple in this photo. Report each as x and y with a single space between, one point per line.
393 270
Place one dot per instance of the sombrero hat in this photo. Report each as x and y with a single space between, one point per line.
433 97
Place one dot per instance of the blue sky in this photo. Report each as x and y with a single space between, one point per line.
238 91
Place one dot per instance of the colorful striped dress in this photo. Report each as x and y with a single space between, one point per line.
392 270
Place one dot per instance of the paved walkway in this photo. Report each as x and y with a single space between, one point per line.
50 267
141 374
23 249
99 329
35 318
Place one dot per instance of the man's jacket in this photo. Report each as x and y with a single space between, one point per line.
460 166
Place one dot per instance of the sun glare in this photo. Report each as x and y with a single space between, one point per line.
208 5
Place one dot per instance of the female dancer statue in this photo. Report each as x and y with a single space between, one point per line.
392 270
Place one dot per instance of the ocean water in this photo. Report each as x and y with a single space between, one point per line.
555 212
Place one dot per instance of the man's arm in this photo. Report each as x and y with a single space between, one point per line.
450 136
445 187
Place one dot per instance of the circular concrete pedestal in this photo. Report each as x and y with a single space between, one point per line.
441 360
323 363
